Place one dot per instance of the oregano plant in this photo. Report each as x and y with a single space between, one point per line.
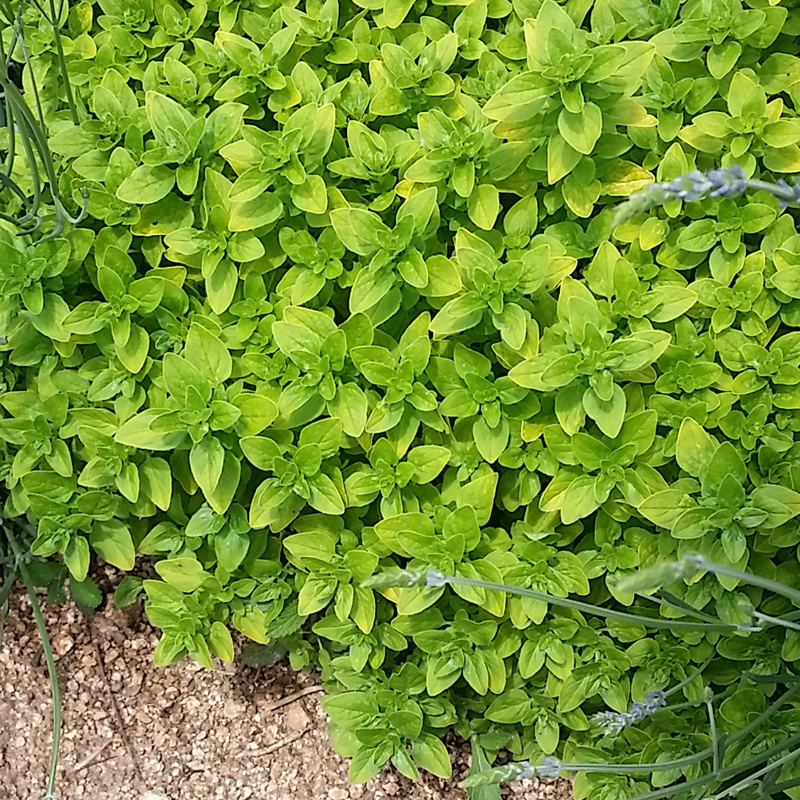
487 295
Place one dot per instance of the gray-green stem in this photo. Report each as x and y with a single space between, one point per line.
609 613
745 577
49 660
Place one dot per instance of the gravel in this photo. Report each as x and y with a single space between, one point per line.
140 732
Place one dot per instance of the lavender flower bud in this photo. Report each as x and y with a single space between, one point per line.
396 578
400 578
792 191
614 722
518 771
655 576
723 182
694 562
727 182
435 578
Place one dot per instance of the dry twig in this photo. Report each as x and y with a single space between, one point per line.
273 748
90 761
115 706
285 701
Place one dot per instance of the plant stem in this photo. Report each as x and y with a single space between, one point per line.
751 779
717 744
49 659
745 577
764 715
782 193
726 772
609 613
783 623
699 671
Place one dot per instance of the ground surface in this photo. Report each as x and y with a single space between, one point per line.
138 732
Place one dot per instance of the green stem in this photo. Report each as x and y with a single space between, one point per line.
727 772
774 189
62 61
49 659
764 715
701 755
717 744
753 778
783 623
668 599
696 674
745 577
786 785
587 608
778 678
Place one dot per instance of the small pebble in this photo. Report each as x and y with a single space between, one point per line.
296 718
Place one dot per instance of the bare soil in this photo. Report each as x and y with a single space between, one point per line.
139 732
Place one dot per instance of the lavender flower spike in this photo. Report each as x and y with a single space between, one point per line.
405 577
613 722
396 578
723 182
518 771
792 196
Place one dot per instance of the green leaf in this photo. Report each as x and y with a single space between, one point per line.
256 213
155 480
581 130
395 11
562 158
725 463
788 281
77 558
208 354
137 432
573 694
86 594
324 496
146 185
206 460
112 541
483 205
266 503
168 119
608 414
311 196
222 125
366 764
325 433
231 548
128 591
666 507
228 484
458 315
429 752
359 230
428 462
349 405
257 413
220 641
695 448
491 442
185 574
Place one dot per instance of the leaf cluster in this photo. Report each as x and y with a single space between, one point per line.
347 299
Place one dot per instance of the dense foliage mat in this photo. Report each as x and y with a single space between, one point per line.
347 297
